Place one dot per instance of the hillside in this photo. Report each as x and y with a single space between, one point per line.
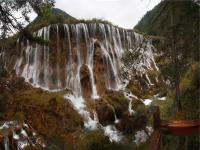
186 38
52 16
186 16
183 18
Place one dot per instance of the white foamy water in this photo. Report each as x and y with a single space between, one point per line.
141 136
93 124
147 101
160 98
112 133
130 97
79 104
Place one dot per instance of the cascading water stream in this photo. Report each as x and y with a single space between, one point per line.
113 109
58 72
94 90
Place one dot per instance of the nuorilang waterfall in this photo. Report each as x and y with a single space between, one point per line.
86 60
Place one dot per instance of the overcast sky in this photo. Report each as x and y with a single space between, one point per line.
125 13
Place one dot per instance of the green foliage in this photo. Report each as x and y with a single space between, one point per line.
97 141
9 22
190 95
190 90
57 16
50 16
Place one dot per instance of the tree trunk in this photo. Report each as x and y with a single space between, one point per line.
175 65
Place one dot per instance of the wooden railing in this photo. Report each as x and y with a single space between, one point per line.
178 128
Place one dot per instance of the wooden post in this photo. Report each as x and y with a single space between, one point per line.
1 141
155 141
156 117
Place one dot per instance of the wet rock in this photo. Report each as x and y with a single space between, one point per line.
84 72
98 52
85 81
105 113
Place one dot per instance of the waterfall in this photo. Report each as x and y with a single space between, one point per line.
94 90
82 56
58 67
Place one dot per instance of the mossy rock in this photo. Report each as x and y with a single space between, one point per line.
119 103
